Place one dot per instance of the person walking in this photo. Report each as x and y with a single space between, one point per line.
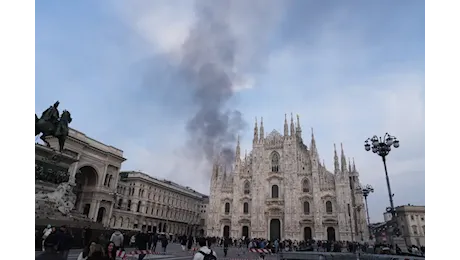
204 253
117 239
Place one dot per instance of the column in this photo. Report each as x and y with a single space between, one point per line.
97 209
104 172
92 209
134 205
109 216
73 170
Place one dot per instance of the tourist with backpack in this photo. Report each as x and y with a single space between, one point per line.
204 253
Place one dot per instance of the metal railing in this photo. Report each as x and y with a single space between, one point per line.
315 255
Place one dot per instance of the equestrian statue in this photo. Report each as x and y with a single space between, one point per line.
50 124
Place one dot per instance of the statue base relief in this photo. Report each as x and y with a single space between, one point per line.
54 196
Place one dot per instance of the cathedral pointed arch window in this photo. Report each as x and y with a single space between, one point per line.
305 186
306 208
227 208
247 188
245 208
275 192
275 162
328 207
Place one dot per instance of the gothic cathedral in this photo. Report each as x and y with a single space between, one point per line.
280 190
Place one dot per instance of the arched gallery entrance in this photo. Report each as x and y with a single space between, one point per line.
307 233
245 231
275 229
100 215
85 177
226 231
330 234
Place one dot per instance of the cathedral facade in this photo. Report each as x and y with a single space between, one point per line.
281 190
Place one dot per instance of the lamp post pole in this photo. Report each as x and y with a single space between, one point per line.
366 191
382 147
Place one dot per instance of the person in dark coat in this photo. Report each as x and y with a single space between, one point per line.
50 253
189 243
164 242
154 241
142 239
65 240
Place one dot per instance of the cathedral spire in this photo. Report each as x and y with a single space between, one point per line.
261 135
286 127
313 142
336 161
354 166
349 164
292 125
256 133
343 159
298 123
237 154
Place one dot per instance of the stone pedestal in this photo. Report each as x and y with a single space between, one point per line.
54 196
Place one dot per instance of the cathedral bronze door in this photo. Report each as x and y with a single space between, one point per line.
226 231
275 229
245 231
307 233
330 234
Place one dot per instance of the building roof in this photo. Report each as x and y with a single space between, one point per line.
162 182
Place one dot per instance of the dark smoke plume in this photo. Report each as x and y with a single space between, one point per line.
208 62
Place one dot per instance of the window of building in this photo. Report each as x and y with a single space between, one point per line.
120 201
411 217
422 218
414 230
275 191
423 227
227 208
247 188
138 206
328 207
306 186
129 204
306 208
275 162
245 208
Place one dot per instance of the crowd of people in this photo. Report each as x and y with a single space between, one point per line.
56 244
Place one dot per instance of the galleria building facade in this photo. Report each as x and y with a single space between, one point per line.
281 190
129 200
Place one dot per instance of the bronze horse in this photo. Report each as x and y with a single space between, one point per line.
60 130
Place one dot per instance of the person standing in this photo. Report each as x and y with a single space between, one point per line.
204 253
117 239
142 239
46 232
65 241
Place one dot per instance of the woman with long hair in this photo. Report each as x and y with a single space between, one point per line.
86 251
97 253
111 251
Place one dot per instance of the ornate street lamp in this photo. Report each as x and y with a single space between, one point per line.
382 147
366 191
